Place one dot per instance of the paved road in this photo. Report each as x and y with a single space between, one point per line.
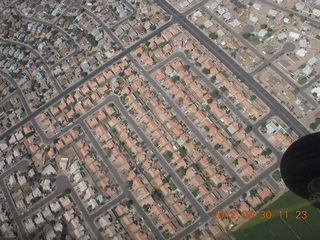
37 55
224 204
277 6
275 106
287 47
105 28
134 13
21 165
227 61
189 124
85 79
175 178
61 184
8 96
64 130
26 106
95 233
274 185
107 206
48 24
228 103
195 7
114 99
122 184
311 82
226 100
264 119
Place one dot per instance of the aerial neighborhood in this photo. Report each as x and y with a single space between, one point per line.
139 119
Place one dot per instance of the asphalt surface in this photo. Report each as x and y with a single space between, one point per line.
277 6
287 47
64 130
311 82
265 96
224 204
122 184
107 206
25 106
189 124
226 100
63 182
21 165
37 55
84 80
175 178
255 130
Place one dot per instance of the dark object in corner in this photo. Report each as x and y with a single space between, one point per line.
300 167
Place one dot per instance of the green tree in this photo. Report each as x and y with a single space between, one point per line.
168 155
183 152
213 35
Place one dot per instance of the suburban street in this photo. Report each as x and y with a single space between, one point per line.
26 107
22 165
275 106
189 124
62 183
90 76
107 206
235 196
226 101
268 2
122 184
177 181
204 217
37 55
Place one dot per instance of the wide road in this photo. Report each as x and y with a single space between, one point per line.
265 96
84 80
